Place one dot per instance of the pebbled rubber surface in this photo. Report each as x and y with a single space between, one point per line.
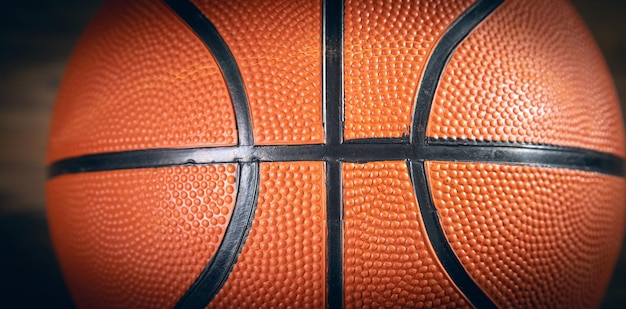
388 259
139 65
530 73
138 238
386 48
283 261
541 254
531 237
277 46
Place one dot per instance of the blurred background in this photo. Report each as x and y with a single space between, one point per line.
36 39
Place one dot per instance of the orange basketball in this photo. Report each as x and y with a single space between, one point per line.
246 154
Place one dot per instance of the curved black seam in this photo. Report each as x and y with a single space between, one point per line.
435 67
216 272
334 152
332 75
207 32
549 157
439 241
440 56
520 154
451 141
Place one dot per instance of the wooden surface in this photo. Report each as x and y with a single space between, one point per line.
36 38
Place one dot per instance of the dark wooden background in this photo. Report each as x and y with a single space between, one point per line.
36 38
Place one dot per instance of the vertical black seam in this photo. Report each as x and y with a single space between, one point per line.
332 67
333 71
207 32
334 276
217 270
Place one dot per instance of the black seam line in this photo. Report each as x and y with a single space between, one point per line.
332 74
216 272
334 214
440 56
435 67
439 242
332 31
378 140
545 156
207 32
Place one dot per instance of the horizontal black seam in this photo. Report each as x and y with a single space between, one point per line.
521 154
379 140
448 141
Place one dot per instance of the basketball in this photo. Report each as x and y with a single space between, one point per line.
331 154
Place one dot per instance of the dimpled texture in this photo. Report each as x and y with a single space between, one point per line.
277 46
388 260
530 73
386 46
138 238
531 237
283 264
139 79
